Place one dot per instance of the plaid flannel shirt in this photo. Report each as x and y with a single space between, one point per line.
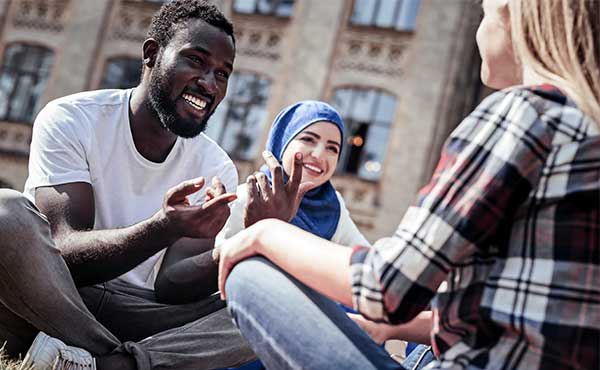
504 242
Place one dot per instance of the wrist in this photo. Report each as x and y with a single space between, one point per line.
387 332
260 234
379 332
265 235
160 227
257 235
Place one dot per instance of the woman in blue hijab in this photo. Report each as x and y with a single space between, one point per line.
316 130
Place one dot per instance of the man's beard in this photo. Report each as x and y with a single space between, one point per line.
165 109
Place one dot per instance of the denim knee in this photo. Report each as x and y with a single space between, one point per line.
246 279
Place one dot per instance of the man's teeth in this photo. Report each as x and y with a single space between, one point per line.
313 168
194 101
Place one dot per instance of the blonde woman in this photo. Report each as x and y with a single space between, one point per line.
504 241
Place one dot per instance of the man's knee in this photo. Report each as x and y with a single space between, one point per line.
12 201
18 217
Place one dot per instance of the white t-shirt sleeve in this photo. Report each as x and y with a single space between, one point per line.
58 154
347 232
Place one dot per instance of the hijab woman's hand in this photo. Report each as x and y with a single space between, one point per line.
236 249
276 200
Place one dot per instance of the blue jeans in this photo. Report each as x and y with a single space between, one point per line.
419 357
290 326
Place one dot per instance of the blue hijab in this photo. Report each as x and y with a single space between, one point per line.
319 210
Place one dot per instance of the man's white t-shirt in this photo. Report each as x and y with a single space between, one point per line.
86 137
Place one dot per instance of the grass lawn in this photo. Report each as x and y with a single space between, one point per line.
5 363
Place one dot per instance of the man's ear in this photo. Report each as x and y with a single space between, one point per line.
150 52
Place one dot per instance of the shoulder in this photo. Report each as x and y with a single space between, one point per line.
530 113
522 99
81 107
91 99
341 200
347 232
513 102
516 111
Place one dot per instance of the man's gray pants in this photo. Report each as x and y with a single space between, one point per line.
37 293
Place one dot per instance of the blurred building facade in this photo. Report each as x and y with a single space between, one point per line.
402 73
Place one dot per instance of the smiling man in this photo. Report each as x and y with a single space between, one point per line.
120 180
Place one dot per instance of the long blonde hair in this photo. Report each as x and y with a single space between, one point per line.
560 41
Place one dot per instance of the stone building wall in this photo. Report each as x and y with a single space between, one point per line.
432 72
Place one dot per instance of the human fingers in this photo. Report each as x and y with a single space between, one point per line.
179 193
224 269
296 175
269 158
210 194
218 186
303 188
263 184
220 200
252 189
276 170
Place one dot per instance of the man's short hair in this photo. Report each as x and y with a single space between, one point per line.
174 12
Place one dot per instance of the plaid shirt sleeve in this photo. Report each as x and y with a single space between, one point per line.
487 168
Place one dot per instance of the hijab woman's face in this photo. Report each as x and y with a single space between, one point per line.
320 145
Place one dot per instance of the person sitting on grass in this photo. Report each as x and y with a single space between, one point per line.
503 242
117 178
314 132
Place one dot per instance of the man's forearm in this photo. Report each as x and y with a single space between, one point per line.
100 255
188 280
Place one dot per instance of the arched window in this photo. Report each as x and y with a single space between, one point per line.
121 73
23 76
397 14
280 8
368 116
238 122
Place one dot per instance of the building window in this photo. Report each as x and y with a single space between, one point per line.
396 14
23 78
238 123
121 73
280 8
368 116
